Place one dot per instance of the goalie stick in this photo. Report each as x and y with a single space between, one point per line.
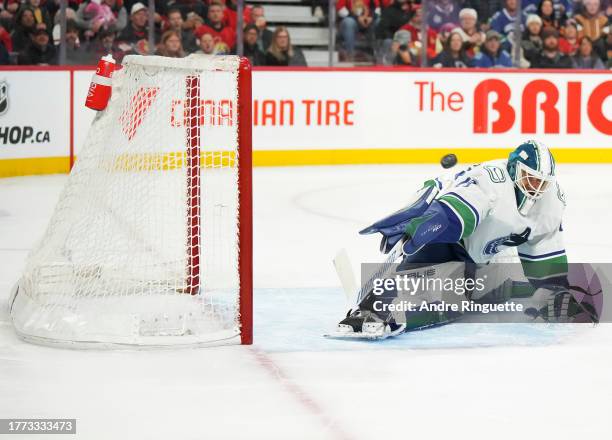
344 268
344 271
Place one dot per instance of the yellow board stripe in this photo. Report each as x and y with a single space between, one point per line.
408 156
34 165
53 165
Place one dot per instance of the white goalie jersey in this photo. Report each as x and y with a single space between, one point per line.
483 199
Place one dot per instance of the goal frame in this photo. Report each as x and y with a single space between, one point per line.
22 307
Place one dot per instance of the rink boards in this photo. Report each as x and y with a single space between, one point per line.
337 116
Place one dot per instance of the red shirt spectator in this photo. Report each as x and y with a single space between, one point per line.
568 44
414 27
214 26
5 39
230 14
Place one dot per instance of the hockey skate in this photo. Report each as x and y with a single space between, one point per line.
365 325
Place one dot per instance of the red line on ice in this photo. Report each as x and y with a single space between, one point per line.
299 394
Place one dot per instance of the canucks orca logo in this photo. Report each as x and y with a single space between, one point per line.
4 99
512 240
561 195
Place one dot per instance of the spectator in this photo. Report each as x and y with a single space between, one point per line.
193 21
468 20
170 45
392 18
41 15
101 14
56 31
503 21
453 54
550 57
187 7
207 45
5 39
75 53
230 14
440 12
214 25
547 13
568 44
251 49
25 25
281 52
594 23
491 53
532 41
265 35
176 24
40 51
585 58
443 35
485 10
531 6
400 50
161 6
105 44
8 10
562 8
355 16
136 33
414 27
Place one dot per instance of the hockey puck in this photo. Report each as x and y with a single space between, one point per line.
448 161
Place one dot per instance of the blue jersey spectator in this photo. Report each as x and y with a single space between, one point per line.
440 12
504 21
491 54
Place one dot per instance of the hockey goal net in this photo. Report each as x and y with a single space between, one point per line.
150 242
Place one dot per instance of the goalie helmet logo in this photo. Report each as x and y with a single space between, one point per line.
4 99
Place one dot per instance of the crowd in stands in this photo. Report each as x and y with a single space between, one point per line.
458 33
476 33
30 31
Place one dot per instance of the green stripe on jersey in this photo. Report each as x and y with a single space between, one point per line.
468 218
542 269
430 183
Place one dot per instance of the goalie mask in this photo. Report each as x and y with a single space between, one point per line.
532 167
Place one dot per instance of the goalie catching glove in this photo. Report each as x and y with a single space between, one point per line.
425 221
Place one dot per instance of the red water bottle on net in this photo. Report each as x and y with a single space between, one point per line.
101 84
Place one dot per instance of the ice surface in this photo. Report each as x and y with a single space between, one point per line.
465 381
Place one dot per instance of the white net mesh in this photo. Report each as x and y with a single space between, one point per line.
143 246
